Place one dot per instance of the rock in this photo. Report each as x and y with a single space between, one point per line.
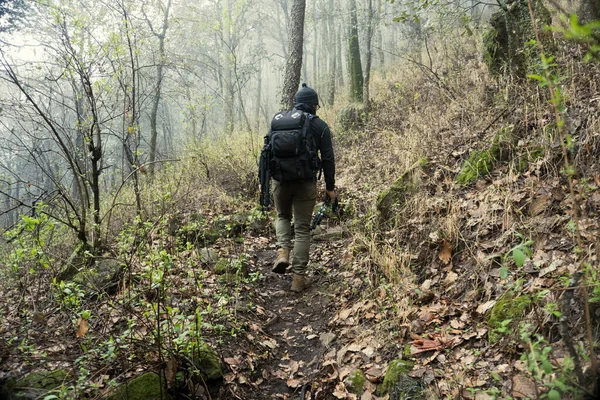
197 232
76 261
34 385
334 233
208 255
352 116
505 44
209 236
99 277
208 364
505 314
398 384
144 387
355 382
482 162
232 225
223 266
395 196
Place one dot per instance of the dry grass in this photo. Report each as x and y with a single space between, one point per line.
412 118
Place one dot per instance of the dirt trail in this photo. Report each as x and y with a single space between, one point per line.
292 329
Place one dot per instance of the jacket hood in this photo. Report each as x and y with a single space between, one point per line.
305 107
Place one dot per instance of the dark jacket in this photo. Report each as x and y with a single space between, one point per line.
322 135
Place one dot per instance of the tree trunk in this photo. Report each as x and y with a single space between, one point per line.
159 78
315 68
132 134
356 74
340 65
331 56
229 95
293 65
283 30
258 95
368 54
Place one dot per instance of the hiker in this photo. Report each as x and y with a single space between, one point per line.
295 190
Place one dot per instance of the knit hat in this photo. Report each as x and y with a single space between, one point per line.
306 95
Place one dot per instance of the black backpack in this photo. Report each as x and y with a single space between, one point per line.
292 151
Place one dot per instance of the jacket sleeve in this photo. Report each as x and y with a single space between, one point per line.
327 157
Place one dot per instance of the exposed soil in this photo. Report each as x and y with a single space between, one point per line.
293 328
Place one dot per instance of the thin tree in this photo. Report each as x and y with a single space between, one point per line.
293 65
159 79
368 53
332 55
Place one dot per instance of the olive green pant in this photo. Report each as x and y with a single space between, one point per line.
297 199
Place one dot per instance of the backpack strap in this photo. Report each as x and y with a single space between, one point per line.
305 132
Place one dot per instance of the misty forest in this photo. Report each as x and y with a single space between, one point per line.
459 259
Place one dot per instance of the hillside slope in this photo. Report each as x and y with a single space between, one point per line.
463 263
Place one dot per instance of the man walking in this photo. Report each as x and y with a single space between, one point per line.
295 196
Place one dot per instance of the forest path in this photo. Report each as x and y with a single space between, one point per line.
292 331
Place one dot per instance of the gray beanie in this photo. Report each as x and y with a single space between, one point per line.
306 95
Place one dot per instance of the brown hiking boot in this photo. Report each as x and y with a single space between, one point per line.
299 283
282 261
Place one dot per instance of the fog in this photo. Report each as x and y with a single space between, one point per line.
98 90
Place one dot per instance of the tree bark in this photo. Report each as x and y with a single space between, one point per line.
159 78
229 95
356 75
258 95
339 62
315 67
293 65
282 30
368 54
332 56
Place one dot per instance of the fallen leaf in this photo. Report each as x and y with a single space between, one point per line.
326 338
456 324
523 387
294 383
294 365
270 343
82 327
344 314
340 391
229 377
374 374
354 347
446 252
483 308
171 371
368 351
424 345
451 278
232 361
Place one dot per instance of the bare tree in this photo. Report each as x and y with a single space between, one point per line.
82 156
160 65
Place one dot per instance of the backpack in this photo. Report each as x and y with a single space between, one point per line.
292 148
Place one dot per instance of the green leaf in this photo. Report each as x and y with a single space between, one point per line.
553 395
519 257
536 77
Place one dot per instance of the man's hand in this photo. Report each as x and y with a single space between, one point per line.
331 194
